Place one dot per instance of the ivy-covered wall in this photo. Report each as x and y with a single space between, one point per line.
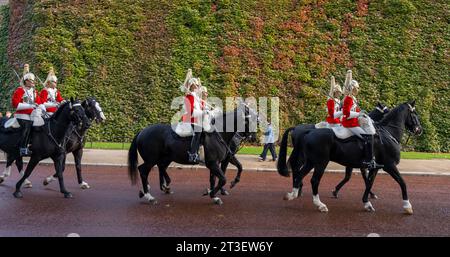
133 55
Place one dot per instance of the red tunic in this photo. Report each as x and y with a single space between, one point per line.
332 107
18 97
349 105
189 102
45 96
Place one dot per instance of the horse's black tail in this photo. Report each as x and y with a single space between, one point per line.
133 160
281 165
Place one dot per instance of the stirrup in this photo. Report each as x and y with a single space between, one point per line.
193 158
25 152
372 164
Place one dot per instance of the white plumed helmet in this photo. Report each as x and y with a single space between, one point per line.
188 81
27 75
350 83
334 87
51 77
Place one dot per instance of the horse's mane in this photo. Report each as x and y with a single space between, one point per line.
60 110
392 114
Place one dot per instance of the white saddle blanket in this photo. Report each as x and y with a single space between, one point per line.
365 122
183 129
342 132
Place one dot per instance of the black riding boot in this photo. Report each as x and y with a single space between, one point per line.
193 150
369 158
23 144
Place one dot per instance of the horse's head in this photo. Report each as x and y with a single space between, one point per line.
77 115
93 110
412 122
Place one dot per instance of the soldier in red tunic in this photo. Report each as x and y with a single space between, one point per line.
334 104
50 95
193 112
25 99
351 112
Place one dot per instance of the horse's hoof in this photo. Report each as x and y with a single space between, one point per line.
373 196
84 185
217 201
45 182
408 211
28 185
166 190
18 194
368 207
335 194
224 192
68 195
1 180
289 197
153 202
323 208
141 194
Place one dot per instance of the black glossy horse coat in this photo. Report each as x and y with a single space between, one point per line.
159 145
47 142
318 147
296 162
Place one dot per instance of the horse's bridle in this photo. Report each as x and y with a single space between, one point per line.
74 124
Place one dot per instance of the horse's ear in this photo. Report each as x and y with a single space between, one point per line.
71 99
379 104
413 102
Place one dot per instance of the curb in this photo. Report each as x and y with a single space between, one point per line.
194 167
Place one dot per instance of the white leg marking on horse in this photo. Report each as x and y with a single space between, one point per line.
149 197
321 206
84 185
368 206
291 195
407 207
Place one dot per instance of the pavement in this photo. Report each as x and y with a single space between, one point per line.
118 158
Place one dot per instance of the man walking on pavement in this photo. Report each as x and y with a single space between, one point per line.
268 144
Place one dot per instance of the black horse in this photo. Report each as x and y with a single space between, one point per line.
294 159
159 145
75 143
236 141
48 141
317 147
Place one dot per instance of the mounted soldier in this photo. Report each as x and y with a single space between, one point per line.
193 113
25 100
50 95
334 104
351 112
